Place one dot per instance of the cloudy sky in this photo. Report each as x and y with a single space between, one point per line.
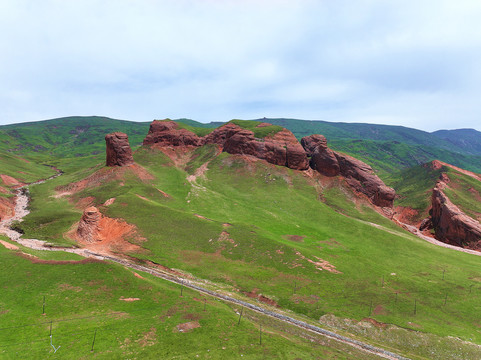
412 63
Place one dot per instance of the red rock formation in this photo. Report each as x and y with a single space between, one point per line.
323 159
312 142
361 177
118 149
280 149
451 225
89 225
167 133
358 174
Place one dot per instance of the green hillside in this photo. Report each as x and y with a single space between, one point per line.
67 137
468 139
258 228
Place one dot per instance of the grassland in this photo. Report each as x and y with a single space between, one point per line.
131 316
254 228
251 228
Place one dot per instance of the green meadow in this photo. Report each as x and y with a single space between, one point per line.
304 243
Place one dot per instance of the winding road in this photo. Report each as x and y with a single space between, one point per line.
21 210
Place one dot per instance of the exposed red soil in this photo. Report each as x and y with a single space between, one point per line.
253 294
406 215
139 276
9 246
7 207
180 155
188 326
111 237
436 165
4 190
164 193
375 323
10 181
85 202
130 299
296 238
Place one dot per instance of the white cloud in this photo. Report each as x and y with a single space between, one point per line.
410 63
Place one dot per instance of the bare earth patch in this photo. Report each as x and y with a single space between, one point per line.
296 238
148 339
9 246
10 181
253 294
129 299
320 264
109 202
188 326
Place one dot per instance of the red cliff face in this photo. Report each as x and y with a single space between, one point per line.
280 149
363 179
359 175
167 133
450 224
323 159
118 149
89 225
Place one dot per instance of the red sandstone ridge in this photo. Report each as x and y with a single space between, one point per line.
279 149
88 227
358 174
168 133
450 224
118 149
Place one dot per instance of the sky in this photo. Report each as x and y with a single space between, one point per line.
411 63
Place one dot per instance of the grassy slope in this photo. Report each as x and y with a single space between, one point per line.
67 137
415 186
81 299
22 169
464 191
263 204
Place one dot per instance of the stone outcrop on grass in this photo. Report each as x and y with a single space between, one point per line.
89 225
358 174
280 149
118 149
168 133
451 225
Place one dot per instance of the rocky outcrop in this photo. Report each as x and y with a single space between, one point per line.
168 133
280 149
323 159
450 224
362 178
358 174
89 225
118 149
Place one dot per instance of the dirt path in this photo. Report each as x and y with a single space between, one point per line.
21 211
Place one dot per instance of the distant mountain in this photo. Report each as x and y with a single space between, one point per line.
467 139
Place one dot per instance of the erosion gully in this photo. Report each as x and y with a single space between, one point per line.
21 210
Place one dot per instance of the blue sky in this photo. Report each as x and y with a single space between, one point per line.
411 63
